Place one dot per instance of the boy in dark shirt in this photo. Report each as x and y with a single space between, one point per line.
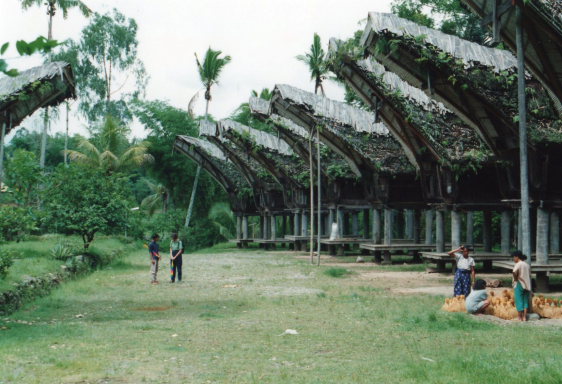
154 251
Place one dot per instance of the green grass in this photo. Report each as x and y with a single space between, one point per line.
36 259
337 272
223 324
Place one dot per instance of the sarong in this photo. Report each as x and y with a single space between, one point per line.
462 282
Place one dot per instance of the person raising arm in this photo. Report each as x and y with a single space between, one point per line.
465 272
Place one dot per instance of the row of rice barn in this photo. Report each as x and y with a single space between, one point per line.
436 149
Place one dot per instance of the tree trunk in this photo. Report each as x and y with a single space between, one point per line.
66 136
51 13
198 172
2 136
319 196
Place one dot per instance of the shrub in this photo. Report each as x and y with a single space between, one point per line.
62 251
15 222
6 261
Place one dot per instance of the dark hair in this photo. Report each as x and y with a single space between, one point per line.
469 248
479 285
519 255
155 236
174 236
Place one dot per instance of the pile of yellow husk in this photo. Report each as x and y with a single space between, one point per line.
503 306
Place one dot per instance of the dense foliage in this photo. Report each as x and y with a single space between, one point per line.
84 201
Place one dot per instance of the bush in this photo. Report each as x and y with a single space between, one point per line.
6 261
66 249
15 222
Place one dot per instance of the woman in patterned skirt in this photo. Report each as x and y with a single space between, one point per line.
464 275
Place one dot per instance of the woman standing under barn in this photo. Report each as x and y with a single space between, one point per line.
465 274
521 284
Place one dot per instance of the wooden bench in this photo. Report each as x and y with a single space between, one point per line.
541 271
336 247
382 252
489 259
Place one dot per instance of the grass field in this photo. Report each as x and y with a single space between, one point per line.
224 324
34 257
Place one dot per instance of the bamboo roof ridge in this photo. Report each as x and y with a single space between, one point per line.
35 88
471 53
339 112
208 147
260 138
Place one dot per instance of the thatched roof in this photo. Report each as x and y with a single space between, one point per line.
471 53
543 38
367 146
261 107
214 161
342 113
35 88
260 138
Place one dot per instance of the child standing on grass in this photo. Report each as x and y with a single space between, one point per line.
176 252
154 252
521 284
477 301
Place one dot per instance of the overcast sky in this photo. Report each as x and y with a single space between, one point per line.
262 36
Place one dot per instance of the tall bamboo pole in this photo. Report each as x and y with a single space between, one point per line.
319 196
311 173
523 164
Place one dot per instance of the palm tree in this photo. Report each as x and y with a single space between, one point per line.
110 150
160 197
317 64
52 6
209 73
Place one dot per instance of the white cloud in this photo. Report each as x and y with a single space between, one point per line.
262 36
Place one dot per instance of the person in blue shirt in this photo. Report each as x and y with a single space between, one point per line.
477 301
154 252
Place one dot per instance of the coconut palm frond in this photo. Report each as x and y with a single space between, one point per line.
212 66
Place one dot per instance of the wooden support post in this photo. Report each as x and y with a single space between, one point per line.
429 226
340 218
273 228
416 226
304 224
283 225
440 231
263 228
469 228
376 226
505 232
365 224
519 230
409 224
355 223
245 227
388 226
554 232
487 231
238 227
542 236
456 226
297 224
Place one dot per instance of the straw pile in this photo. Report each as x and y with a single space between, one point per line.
503 306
